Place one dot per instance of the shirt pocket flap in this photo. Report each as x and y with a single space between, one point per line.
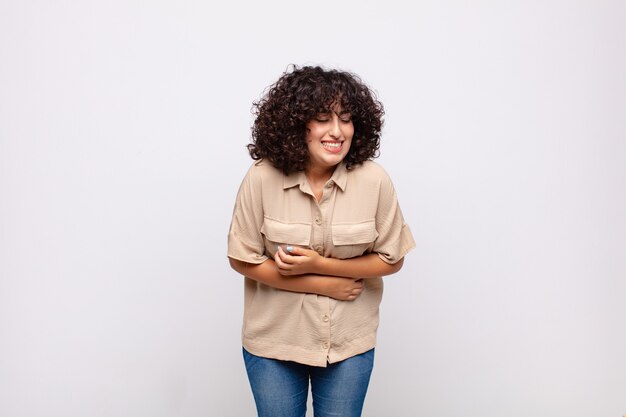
287 233
354 233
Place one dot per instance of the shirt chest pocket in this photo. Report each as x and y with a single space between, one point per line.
353 239
278 233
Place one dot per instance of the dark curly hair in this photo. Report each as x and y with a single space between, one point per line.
279 130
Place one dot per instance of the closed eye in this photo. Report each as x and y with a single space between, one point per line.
344 116
322 117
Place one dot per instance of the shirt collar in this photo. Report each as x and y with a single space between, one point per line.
339 177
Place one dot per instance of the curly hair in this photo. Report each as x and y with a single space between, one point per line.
279 130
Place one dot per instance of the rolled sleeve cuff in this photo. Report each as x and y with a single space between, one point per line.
240 250
395 251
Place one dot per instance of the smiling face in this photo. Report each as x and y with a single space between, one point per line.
328 138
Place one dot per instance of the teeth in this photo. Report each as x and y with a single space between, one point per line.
332 144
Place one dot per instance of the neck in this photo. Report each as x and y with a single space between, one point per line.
318 174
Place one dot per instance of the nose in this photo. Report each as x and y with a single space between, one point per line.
333 129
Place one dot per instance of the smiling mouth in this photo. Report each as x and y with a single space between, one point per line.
332 146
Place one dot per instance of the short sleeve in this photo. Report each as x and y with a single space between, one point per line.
245 241
394 236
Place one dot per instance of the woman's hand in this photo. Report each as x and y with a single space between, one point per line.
297 261
343 289
339 288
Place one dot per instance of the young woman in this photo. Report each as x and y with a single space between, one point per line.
316 225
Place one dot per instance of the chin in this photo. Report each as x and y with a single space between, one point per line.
335 161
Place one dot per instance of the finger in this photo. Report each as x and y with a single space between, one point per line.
279 262
298 252
295 250
283 268
286 257
281 253
288 260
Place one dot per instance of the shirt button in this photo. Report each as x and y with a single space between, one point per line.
318 221
325 317
325 345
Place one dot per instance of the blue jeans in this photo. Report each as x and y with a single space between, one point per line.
281 388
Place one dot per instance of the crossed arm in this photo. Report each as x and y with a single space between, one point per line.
304 270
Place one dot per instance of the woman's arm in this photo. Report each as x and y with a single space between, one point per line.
305 261
340 288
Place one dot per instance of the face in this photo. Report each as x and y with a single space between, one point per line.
328 138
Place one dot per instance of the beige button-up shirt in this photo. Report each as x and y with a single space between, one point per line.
357 214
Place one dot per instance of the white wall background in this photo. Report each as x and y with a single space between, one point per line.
122 134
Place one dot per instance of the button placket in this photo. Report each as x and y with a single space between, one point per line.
317 235
320 233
